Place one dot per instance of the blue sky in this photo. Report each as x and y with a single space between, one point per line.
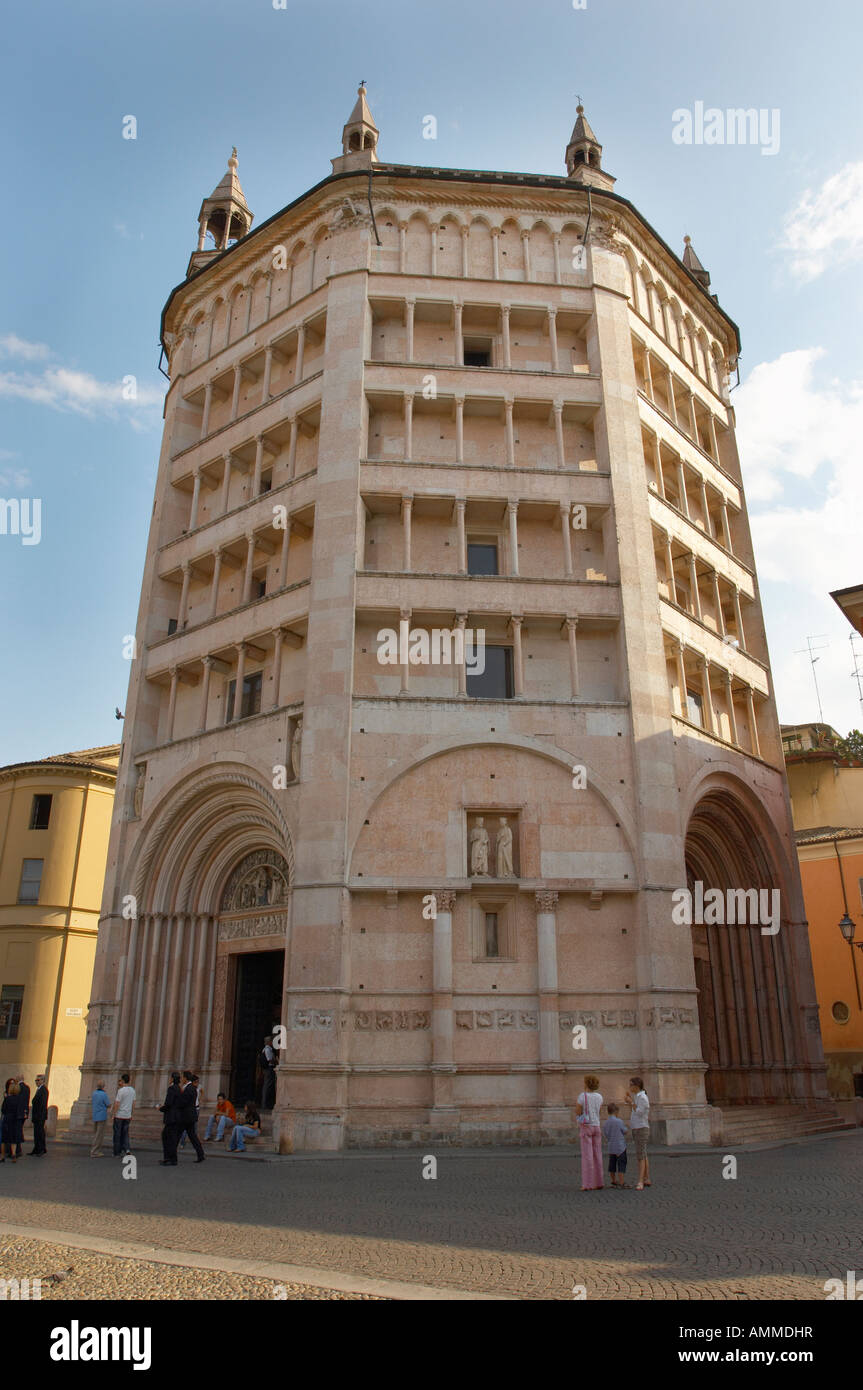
97 229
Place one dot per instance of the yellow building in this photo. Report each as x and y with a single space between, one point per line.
827 809
55 817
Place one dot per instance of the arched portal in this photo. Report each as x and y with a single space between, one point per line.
748 1012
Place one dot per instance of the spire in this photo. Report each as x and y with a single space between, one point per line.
693 264
359 138
584 155
225 215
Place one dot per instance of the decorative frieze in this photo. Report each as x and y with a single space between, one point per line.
392 1020
271 924
504 1019
312 1018
598 1018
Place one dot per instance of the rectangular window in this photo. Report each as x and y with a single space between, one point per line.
491 937
267 483
251 701
495 683
11 999
477 352
31 878
694 708
172 626
40 812
482 558
262 588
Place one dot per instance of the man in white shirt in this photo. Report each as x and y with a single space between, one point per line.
124 1104
639 1123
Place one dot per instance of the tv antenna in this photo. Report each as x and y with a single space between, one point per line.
856 672
810 651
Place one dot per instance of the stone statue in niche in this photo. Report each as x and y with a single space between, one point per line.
503 850
138 795
479 847
297 748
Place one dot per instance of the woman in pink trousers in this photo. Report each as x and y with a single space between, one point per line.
587 1108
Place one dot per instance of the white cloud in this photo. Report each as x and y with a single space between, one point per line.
826 227
13 346
805 529
67 389
14 479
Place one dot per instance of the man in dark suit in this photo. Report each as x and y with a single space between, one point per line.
189 1120
23 1109
173 1126
39 1112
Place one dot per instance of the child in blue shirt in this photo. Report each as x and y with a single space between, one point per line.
615 1132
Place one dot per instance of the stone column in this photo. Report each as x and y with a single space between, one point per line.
460 504
409 327
567 539
717 599
551 1075
504 318
706 699
196 498
292 446
458 315
201 991
459 429
465 253
205 417
173 977
571 627
555 241
726 528
172 704
681 487
301 353
247 324
433 235
705 507
753 722
235 398
510 436
495 249
278 639
512 518
407 509
154 977
525 250
552 338
405 618
268 372
516 621
693 584
714 442
250 564
205 693
268 276
226 485
693 421
286 550
160 1048
729 703
672 404
738 617
679 654
184 595
259 465
237 709
461 672
409 427
669 566
657 465
648 375
214 587
442 1012
557 411
403 232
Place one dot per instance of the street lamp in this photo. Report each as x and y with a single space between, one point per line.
846 926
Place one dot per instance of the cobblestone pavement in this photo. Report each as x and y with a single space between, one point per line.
90 1276
499 1223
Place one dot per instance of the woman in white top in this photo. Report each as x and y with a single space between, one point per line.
587 1107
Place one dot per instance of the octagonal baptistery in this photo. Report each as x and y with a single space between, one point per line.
451 669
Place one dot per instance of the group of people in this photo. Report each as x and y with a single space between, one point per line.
120 1111
181 1110
588 1109
15 1109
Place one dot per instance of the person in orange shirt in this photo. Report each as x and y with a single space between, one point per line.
225 1114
